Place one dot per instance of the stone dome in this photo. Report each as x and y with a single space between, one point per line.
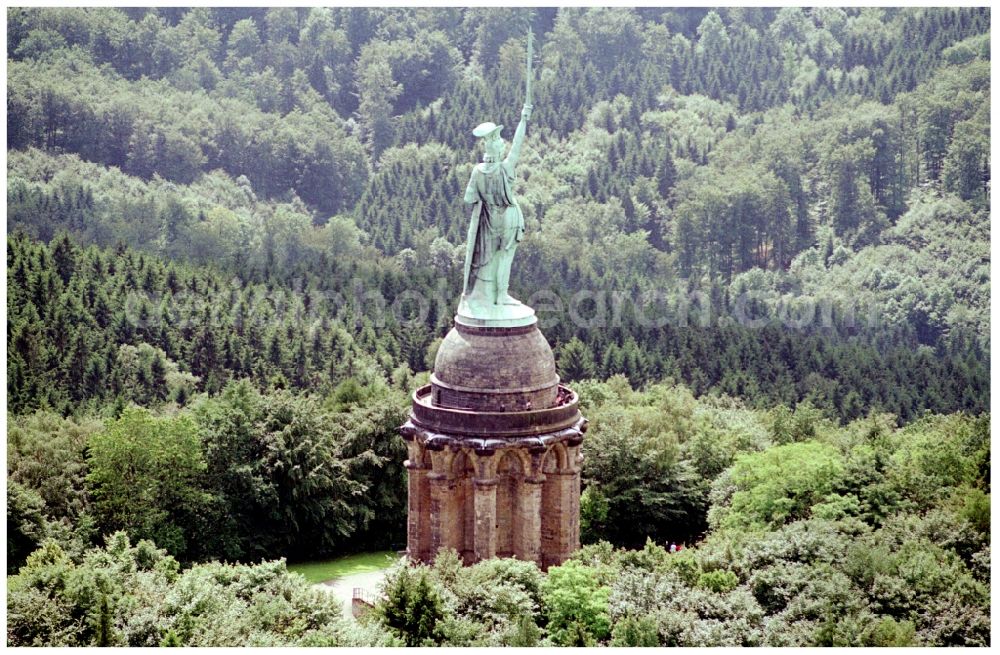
495 369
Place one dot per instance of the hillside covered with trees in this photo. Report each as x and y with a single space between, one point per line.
808 533
757 240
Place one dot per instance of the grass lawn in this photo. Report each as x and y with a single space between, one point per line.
324 570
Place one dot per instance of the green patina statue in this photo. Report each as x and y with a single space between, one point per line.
496 225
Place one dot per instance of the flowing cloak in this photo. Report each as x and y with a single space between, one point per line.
496 221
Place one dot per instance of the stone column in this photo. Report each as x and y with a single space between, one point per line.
565 539
417 513
530 517
439 502
576 465
486 518
444 528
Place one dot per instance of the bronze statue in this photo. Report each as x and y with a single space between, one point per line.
497 224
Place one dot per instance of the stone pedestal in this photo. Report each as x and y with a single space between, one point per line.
494 450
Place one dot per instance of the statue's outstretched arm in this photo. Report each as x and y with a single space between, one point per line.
522 127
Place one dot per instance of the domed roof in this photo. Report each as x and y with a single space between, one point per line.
495 369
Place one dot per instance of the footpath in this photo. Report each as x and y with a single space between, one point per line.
343 587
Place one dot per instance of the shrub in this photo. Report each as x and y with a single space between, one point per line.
26 524
888 632
523 634
632 631
135 595
775 486
413 607
523 575
575 604
718 581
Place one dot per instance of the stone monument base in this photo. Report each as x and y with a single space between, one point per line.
494 450
476 314
494 497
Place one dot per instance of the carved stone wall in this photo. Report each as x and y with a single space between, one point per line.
494 451
508 502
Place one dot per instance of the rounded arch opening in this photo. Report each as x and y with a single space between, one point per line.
556 459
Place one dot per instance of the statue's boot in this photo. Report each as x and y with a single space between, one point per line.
504 298
503 278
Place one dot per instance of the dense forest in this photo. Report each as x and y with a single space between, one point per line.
757 240
817 534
